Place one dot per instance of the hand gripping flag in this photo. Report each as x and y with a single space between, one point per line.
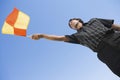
16 23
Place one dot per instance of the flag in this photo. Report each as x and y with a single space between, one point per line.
16 23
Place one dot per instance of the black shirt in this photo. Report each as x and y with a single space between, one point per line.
91 33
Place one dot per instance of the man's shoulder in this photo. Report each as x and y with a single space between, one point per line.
92 20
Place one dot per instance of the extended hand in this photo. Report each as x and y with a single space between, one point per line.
36 36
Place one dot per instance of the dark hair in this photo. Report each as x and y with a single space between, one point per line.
80 20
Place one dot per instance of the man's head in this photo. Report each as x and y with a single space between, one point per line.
75 23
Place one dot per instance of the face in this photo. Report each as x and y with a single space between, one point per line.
75 24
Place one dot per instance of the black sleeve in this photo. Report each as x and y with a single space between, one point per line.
106 22
72 39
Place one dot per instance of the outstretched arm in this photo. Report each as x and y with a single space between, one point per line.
49 37
116 27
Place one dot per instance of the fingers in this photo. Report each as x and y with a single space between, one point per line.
34 37
30 36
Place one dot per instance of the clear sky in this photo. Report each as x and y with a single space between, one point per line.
25 59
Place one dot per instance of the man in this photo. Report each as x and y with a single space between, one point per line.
100 35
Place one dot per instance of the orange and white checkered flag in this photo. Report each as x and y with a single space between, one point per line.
16 23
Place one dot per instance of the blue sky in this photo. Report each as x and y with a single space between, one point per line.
25 59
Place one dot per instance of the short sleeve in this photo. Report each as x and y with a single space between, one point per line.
106 22
72 39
